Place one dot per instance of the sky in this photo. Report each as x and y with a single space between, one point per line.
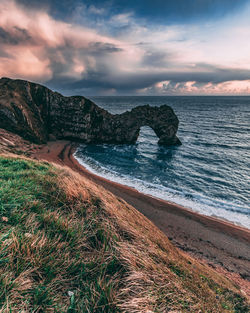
132 47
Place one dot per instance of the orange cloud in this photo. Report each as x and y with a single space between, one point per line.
32 42
192 87
35 46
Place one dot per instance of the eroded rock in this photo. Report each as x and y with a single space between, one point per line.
37 113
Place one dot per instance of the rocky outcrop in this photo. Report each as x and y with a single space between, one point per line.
37 113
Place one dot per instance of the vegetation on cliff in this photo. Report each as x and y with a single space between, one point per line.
68 245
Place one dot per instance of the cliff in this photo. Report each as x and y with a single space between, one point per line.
36 112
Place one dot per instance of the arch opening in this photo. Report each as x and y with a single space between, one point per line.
147 134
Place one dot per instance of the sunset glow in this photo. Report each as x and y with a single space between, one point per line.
95 49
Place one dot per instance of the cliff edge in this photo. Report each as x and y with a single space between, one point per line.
36 112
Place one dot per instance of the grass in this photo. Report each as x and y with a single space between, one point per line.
67 245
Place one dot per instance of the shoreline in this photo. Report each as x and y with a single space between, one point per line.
179 205
222 245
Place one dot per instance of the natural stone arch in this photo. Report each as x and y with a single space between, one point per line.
36 112
162 120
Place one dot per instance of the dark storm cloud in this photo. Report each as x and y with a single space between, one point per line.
157 58
105 80
100 47
76 58
14 36
68 54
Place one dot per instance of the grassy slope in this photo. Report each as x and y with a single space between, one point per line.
67 245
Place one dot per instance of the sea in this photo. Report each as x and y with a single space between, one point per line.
209 173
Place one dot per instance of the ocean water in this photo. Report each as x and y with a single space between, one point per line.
209 173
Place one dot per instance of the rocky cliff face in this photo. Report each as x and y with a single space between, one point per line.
35 112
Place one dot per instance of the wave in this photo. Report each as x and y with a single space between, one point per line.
236 213
209 173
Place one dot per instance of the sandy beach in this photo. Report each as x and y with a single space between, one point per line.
223 245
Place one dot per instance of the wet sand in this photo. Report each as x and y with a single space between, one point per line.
222 245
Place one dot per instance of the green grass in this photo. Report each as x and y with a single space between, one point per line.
79 260
67 246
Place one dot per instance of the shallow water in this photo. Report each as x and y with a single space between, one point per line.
209 173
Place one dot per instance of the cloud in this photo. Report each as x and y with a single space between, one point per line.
161 82
94 10
135 58
36 46
154 11
157 58
196 88
103 47
15 37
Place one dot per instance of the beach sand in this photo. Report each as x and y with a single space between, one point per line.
222 245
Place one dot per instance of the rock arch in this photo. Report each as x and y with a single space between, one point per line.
36 113
162 120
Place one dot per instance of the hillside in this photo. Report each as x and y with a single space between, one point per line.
68 245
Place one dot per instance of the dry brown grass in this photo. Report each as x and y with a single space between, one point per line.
160 276
78 237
